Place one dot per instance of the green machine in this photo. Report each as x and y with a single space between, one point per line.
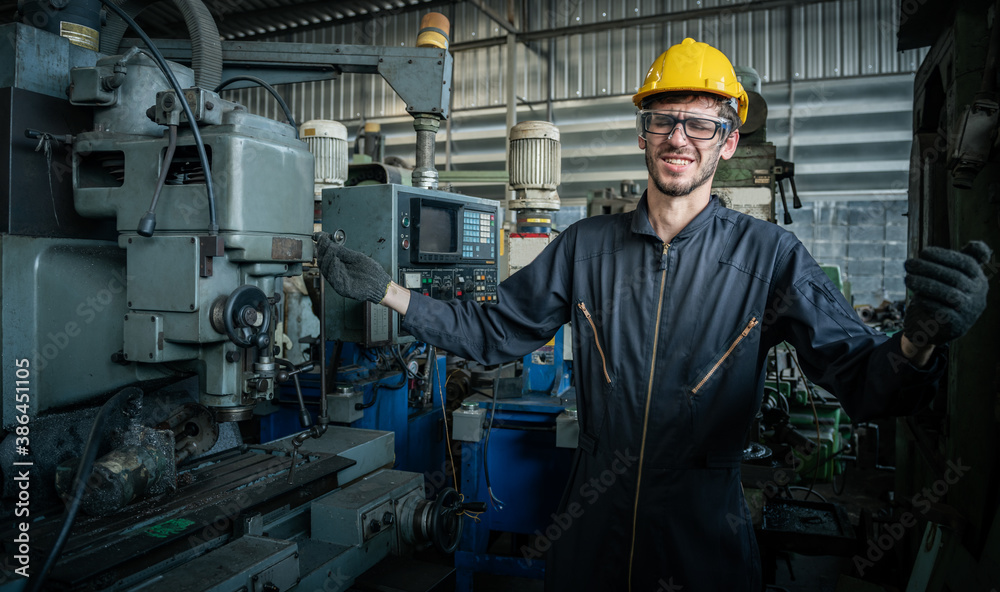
747 181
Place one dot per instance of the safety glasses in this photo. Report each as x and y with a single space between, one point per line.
649 121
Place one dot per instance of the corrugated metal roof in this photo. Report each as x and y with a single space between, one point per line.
249 19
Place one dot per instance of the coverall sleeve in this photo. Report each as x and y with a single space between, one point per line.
531 306
864 368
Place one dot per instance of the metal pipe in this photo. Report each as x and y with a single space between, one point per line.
511 96
424 174
653 19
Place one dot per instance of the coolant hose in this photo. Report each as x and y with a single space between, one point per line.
206 45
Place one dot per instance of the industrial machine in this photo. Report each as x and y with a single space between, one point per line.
149 224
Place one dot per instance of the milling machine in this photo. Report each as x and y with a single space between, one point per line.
148 226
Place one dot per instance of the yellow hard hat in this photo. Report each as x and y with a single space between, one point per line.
694 66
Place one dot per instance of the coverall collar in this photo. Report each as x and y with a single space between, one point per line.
641 225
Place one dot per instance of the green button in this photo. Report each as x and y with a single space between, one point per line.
406 221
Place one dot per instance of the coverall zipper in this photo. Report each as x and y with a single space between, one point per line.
604 363
645 420
739 338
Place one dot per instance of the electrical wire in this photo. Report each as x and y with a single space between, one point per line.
819 437
80 480
268 88
447 443
486 457
808 492
375 387
213 225
402 362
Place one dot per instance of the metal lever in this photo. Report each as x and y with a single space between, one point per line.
796 202
784 202
786 170
305 420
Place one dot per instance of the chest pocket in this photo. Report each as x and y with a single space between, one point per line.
726 357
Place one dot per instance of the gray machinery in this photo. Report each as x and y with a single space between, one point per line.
138 250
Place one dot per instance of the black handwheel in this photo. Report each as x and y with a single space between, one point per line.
445 522
243 307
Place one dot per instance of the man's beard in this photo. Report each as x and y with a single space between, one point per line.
681 190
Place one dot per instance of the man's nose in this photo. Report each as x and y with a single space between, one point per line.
677 136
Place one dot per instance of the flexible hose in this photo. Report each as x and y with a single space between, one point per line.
80 480
206 45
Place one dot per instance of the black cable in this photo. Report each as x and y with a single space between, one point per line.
808 492
375 387
334 366
486 455
213 226
843 482
148 222
268 88
402 362
80 480
360 406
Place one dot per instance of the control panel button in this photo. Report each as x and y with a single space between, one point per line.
406 243
411 280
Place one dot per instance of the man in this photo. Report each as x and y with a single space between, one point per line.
675 307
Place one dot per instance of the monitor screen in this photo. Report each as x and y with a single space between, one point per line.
438 229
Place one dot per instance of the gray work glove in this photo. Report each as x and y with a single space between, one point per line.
949 293
352 274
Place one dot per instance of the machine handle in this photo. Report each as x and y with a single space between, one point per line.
784 202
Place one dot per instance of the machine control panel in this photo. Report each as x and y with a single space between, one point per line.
471 283
440 244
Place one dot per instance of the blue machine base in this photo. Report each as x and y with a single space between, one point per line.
528 475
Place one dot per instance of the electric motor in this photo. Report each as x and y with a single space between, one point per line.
534 165
327 140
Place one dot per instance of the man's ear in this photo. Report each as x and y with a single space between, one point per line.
642 143
729 147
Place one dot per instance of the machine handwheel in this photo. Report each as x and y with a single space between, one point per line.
445 523
243 307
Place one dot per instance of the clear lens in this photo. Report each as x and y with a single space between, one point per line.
663 123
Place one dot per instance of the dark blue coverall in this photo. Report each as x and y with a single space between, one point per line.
670 344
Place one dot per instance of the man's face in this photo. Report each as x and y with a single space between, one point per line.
678 164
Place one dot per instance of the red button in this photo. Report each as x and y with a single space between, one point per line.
458 293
